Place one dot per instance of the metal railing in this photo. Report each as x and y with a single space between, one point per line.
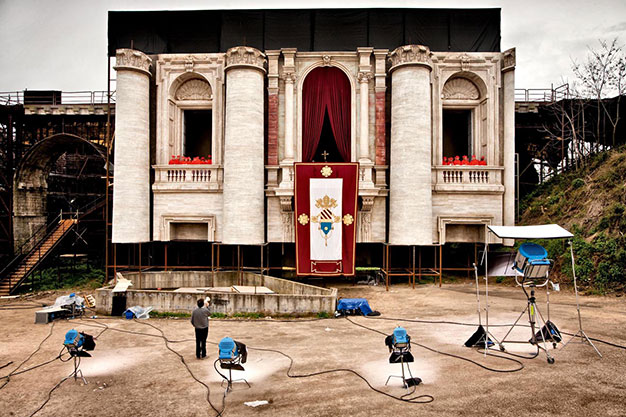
542 95
42 234
54 98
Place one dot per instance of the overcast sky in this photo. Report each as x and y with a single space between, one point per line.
61 44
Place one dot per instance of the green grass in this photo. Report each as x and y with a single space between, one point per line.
82 276
168 315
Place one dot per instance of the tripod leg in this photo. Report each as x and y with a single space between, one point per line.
549 358
511 328
586 338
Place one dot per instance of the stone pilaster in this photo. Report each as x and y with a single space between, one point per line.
508 86
243 148
131 191
410 217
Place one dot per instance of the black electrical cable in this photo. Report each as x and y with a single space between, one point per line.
182 359
15 371
421 399
57 386
6 364
597 340
521 365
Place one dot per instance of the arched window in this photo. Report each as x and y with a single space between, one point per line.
326 116
460 119
191 118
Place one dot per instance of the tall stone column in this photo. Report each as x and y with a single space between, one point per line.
131 190
244 216
410 196
508 86
380 88
290 78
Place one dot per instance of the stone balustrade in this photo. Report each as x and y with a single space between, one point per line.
188 178
467 179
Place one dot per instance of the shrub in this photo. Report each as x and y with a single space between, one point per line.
577 183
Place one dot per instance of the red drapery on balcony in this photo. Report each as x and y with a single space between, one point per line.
326 89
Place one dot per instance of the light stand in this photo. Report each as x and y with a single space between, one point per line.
77 372
580 333
534 315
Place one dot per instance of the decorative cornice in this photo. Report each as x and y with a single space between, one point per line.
508 60
245 56
133 60
410 55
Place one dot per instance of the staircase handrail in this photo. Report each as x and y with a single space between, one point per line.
50 227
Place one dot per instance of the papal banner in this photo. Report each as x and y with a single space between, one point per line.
325 212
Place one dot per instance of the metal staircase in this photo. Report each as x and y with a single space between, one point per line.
33 252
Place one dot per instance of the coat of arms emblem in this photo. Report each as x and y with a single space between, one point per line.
326 218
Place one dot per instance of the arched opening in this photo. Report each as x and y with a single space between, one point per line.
326 116
60 173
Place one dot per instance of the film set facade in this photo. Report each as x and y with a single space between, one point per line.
240 114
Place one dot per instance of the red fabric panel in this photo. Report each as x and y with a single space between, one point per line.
381 141
325 89
272 129
304 172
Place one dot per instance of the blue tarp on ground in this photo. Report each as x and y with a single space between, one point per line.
346 304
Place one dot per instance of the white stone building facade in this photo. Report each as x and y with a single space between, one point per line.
244 107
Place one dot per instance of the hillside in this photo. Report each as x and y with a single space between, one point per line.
591 203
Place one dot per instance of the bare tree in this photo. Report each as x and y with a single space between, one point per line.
603 75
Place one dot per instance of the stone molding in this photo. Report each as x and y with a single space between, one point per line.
194 89
460 89
508 60
245 56
133 60
289 77
410 55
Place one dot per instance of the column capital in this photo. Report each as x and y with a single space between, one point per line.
364 77
508 60
289 77
132 60
418 55
245 56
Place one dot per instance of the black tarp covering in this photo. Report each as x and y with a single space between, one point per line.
157 32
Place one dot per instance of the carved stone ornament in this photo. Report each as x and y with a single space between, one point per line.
460 89
194 89
289 77
245 56
364 77
508 58
326 61
410 55
132 60
189 63
465 59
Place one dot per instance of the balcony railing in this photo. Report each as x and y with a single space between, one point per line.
55 98
197 177
467 178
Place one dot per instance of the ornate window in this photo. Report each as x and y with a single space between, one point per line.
191 118
460 119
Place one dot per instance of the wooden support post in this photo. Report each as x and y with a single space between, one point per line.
140 264
386 254
413 272
115 262
440 264
419 266
212 264
165 255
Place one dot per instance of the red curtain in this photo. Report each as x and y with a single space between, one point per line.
326 89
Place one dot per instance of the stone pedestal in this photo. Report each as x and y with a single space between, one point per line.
410 204
244 222
131 189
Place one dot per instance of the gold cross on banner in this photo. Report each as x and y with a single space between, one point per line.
325 154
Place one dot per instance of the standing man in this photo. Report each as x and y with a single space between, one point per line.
200 320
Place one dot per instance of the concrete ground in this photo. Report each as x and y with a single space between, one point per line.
133 374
